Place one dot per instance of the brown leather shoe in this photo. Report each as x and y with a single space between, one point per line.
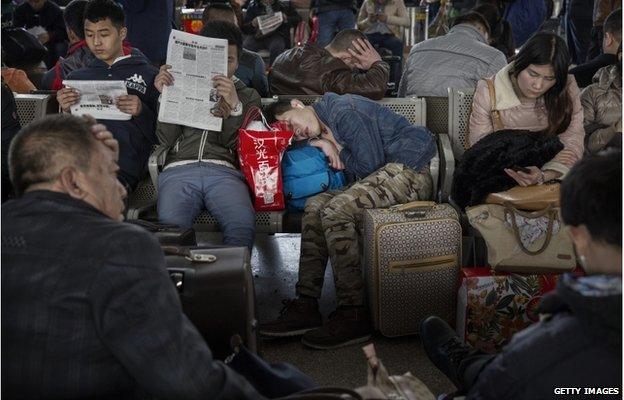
296 318
345 327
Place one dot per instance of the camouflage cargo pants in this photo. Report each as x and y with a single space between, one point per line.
329 228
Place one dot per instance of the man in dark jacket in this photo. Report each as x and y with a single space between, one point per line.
333 16
275 40
88 309
349 64
47 15
611 41
389 158
579 342
578 20
105 33
201 165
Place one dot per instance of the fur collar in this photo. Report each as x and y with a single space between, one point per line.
505 95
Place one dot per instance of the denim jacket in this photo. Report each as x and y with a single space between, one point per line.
372 135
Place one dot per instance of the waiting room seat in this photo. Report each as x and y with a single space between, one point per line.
31 107
459 109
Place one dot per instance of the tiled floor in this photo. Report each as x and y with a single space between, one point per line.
275 262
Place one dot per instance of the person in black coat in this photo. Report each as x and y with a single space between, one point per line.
49 16
10 127
276 41
578 342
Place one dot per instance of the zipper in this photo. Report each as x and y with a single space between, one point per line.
202 144
428 264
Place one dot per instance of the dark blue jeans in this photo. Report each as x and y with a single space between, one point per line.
334 21
388 41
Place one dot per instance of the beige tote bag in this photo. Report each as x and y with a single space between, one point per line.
524 242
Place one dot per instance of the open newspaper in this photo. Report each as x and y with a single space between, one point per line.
97 98
194 60
270 22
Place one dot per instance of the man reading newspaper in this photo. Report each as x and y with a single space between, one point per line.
104 34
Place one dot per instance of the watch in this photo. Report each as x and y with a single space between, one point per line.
238 109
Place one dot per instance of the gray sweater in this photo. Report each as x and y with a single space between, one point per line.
457 60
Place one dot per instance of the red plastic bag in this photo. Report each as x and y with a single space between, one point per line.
260 154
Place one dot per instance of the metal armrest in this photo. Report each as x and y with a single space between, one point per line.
447 165
156 162
434 170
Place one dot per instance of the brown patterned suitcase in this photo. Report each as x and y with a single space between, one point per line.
411 264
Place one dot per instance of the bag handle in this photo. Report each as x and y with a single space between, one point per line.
254 113
497 123
412 205
509 209
325 393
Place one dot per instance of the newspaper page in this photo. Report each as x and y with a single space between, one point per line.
194 60
97 98
270 22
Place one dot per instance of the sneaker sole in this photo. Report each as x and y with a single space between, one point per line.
336 346
287 334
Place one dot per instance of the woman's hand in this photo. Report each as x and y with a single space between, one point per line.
330 151
164 78
533 177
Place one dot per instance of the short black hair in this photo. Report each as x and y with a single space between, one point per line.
277 108
613 24
41 149
591 195
472 18
217 8
73 15
224 30
343 39
99 10
491 15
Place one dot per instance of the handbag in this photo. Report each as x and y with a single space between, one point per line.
380 385
260 154
524 242
527 198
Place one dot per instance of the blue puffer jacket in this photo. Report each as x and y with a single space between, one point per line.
137 135
372 135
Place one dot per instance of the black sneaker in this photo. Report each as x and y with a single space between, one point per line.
344 327
444 348
296 318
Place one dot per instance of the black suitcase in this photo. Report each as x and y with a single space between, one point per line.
217 293
168 234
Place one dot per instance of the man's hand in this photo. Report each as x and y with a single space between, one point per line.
43 37
364 54
67 97
254 22
129 104
226 89
330 151
382 17
164 78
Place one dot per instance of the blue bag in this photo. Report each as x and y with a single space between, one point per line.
305 172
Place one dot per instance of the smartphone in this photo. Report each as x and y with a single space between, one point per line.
521 169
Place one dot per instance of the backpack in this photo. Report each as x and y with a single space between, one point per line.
305 172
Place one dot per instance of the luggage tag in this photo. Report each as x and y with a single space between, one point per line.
200 256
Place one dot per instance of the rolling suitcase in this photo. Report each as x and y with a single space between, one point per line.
411 264
168 234
217 293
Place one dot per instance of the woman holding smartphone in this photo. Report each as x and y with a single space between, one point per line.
534 92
